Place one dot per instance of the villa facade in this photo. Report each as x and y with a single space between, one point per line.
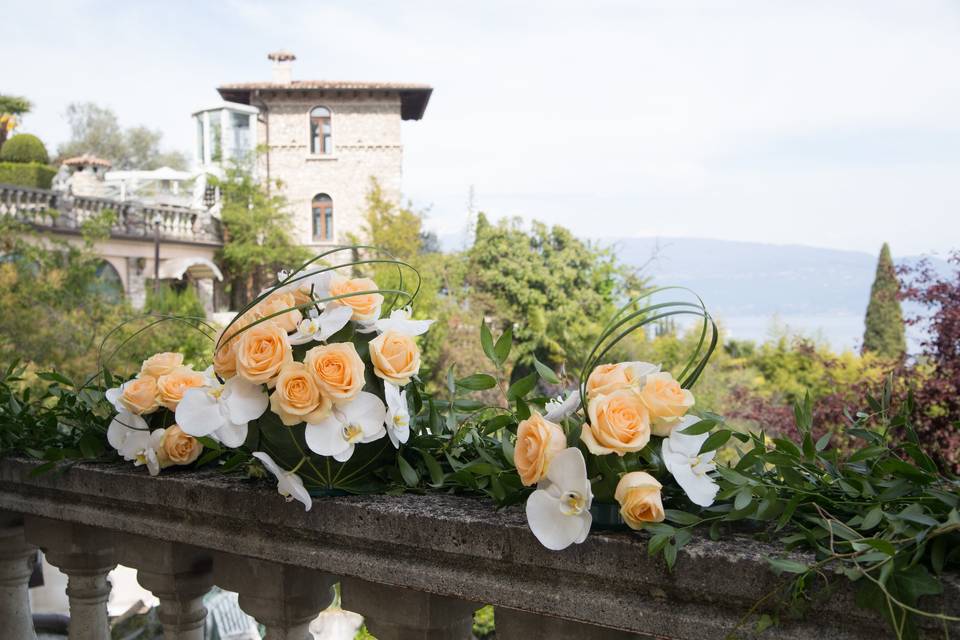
320 141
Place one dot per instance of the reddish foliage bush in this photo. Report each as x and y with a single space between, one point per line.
932 376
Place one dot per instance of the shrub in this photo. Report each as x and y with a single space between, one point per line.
24 147
29 174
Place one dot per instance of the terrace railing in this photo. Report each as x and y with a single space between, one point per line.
56 211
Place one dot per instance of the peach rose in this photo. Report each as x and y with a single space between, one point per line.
170 387
261 351
178 448
638 493
666 401
365 307
337 370
140 395
225 359
607 378
161 364
395 357
297 397
619 423
276 302
537 442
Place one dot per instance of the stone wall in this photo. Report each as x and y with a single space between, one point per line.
366 143
417 565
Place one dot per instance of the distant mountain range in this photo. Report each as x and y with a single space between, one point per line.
749 284
749 278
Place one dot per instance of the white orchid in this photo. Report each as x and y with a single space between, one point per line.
400 321
133 440
289 484
559 409
558 512
681 455
360 420
319 327
113 396
398 414
221 411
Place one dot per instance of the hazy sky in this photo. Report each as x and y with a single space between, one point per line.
824 123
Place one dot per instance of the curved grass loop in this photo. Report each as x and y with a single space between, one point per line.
633 317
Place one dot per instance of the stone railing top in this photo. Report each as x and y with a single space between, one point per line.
449 545
134 220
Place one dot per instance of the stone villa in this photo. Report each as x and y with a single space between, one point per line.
321 141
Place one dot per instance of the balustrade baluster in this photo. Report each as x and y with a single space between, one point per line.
86 555
284 598
178 574
17 559
395 613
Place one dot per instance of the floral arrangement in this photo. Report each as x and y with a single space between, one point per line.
310 378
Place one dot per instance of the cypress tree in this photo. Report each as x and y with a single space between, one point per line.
884 333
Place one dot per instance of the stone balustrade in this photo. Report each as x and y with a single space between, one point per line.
416 566
57 211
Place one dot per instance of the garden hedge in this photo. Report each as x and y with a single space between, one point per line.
27 174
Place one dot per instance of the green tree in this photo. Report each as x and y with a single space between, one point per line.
10 108
257 235
884 332
554 290
96 130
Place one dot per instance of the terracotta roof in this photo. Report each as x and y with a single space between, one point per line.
413 97
87 159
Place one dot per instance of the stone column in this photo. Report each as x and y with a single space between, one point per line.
523 625
395 613
205 293
16 564
136 282
178 574
284 598
86 555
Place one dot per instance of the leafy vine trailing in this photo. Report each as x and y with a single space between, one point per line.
882 517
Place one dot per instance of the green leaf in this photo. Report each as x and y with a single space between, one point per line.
477 382
657 543
545 372
433 468
918 518
823 441
744 496
486 341
409 474
507 447
681 517
502 349
522 387
938 553
872 518
53 376
783 565
880 545
698 428
715 441
866 453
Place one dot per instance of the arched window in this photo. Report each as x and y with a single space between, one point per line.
322 218
321 138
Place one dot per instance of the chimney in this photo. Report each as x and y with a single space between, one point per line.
282 66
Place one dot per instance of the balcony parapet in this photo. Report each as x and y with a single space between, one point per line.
415 565
59 212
